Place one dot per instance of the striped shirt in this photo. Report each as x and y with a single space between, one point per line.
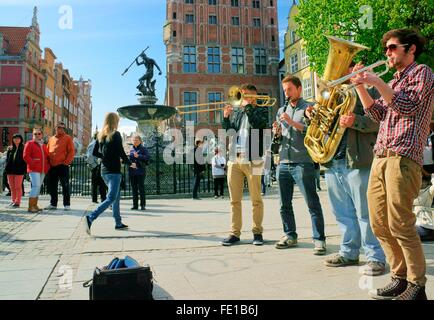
404 123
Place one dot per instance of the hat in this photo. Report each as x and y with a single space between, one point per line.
61 125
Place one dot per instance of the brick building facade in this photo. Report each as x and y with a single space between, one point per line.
22 82
212 45
36 91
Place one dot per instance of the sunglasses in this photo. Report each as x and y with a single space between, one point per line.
37 134
393 47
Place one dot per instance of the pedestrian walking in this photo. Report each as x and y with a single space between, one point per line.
110 149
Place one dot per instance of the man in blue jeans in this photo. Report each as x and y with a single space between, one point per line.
296 167
347 182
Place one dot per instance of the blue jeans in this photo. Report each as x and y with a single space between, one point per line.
302 174
36 180
113 181
346 189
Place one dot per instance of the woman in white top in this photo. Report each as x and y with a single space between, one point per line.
218 164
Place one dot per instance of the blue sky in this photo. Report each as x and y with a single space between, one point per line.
106 36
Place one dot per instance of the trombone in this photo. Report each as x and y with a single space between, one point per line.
235 98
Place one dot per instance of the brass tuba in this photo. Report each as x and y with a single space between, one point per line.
332 100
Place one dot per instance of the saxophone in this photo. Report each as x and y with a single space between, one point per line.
332 100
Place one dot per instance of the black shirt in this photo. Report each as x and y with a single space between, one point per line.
15 163
111 152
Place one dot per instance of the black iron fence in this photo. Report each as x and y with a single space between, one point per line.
161 178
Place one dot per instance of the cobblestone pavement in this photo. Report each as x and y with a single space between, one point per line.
48 255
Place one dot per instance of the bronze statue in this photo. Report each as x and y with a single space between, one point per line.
146 84
149 63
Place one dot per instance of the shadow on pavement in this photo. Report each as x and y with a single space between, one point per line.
160 294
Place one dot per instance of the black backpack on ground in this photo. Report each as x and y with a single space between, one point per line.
121 279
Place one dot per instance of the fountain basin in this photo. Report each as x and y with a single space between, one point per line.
141 112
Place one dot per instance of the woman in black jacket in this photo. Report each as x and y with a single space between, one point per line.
110 149
15 169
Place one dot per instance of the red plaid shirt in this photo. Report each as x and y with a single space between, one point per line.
404 123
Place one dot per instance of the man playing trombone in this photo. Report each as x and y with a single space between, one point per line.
404 113
248 122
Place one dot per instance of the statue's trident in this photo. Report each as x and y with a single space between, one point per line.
126 70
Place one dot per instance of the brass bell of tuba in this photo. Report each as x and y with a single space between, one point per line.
324 133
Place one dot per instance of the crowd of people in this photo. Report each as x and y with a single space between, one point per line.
374 180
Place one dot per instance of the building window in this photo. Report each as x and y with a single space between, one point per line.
189 18
215 116
48 94
293 36
174 15
294 63
256 4
236 21
260 61
35 83
189 1
307 88
304 58
189 59
174 33
41 87
28 77
271 3
214 60
237 60
212 20
272 21
273 38
234 3
212 2
256 22
190 98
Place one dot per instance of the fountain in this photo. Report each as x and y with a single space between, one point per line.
147 114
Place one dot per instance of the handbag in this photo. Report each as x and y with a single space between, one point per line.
121 279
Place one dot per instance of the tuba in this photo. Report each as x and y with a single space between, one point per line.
332 100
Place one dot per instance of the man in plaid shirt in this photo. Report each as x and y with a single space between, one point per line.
404 113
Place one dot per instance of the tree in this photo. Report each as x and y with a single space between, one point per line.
364 22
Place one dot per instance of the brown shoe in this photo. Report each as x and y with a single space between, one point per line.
413 292
36 204
32 205
390 291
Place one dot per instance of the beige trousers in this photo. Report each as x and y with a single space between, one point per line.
237 171
394 183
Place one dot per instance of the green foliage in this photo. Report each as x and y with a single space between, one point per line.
344 19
